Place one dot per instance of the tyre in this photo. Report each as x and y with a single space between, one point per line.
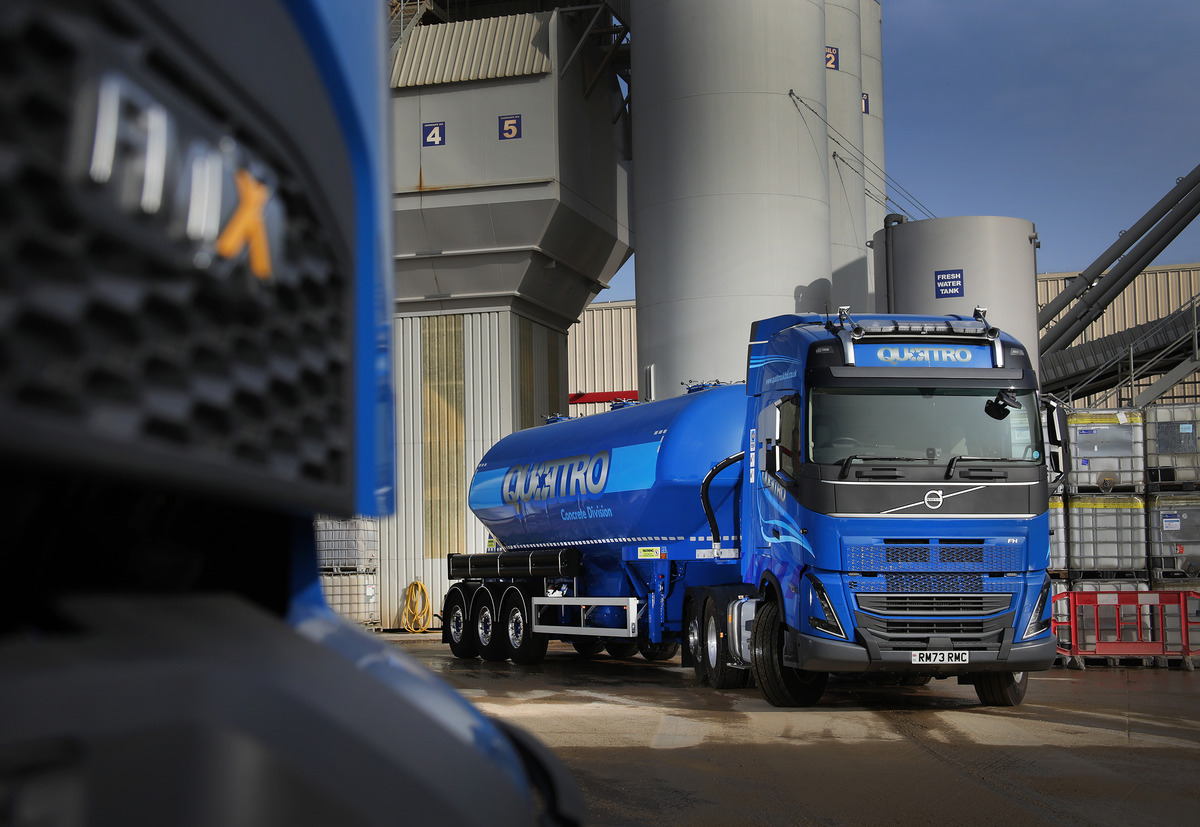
1001 688
780 685
715 654
694 640
622 648
489 638
516 626
458 625
588 646
658 651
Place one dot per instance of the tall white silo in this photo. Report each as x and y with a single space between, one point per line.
847 197
875 184
730 195
952 265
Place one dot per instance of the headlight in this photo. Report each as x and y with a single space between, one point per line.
1037 625
829 623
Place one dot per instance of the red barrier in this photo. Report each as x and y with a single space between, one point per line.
1128 624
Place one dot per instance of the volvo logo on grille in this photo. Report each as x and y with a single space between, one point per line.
933 499
160 163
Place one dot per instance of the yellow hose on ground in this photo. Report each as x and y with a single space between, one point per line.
417 612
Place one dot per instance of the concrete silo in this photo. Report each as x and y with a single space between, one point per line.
849 233
875 184
731 184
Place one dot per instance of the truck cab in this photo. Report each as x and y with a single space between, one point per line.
898 511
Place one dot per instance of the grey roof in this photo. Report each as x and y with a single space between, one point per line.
496 47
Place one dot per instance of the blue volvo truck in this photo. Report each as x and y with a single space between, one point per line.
195 312
872 501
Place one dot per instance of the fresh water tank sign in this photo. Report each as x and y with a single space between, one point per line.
510 127
947 284
433 134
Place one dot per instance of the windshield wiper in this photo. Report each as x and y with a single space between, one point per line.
964 458
848 461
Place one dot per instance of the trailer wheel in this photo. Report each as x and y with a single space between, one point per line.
621 648
658 651
524 645
489 637
458 626
455 616
588 646
715 653
780 685
1001 688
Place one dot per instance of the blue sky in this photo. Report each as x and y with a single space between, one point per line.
1077 115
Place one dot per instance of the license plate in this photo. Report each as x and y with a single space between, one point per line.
938 657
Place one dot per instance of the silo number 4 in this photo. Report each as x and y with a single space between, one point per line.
510 127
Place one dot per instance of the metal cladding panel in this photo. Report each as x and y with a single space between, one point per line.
622 477
602 354
495 47
731 199
871 19
952 265
847 195
414 544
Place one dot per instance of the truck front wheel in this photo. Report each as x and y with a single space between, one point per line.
781 685
524 645
1001 688
458 626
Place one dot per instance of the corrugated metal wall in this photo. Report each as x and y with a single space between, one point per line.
1155 293
462 381
602 353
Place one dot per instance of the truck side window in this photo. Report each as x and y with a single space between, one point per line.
789 432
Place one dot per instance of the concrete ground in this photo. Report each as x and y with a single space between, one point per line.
649 745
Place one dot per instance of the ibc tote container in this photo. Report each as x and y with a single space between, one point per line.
1174 523
1172 455
1108 533
1107 450
347 545
353 596
1058 534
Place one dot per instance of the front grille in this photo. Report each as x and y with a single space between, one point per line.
124 348
925 582
933 604
934 627
906 634
949 556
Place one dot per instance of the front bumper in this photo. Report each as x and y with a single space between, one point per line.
821 655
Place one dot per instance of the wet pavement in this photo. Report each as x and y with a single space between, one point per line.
650 745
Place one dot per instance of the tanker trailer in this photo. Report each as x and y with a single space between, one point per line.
872 501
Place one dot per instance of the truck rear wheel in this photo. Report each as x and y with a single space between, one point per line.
715 654
1001 688
489 637
780 685
524 645
694 640
458 626
622 649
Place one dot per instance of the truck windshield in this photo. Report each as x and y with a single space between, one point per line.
920 424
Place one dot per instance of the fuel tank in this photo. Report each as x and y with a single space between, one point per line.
628 476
